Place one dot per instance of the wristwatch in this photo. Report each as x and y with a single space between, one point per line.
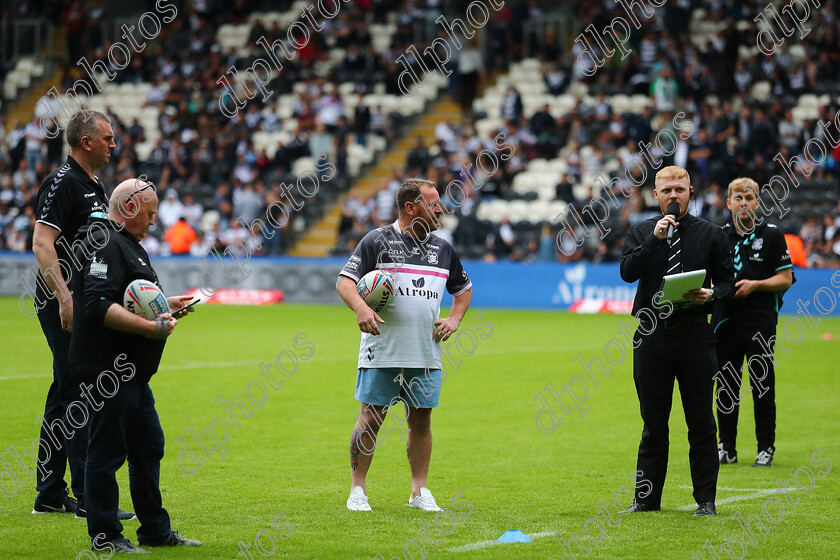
712 297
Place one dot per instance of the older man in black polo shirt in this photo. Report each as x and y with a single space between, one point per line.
65 200
111 342
674 344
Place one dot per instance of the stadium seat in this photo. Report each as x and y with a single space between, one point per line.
557 166
303 164
798 52
808 100
546 191
620 103
538 165
761 90
639 102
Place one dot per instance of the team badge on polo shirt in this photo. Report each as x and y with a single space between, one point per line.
99 268
757 244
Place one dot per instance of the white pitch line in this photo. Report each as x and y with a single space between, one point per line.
757 494
26 376
485 544
729 489
316 358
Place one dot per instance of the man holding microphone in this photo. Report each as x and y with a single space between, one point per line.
674 344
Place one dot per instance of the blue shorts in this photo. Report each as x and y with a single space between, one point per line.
381 386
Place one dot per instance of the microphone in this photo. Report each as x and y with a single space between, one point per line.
673 210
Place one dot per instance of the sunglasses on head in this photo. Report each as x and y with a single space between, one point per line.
148 186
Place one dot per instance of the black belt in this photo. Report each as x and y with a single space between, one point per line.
685 321
672 322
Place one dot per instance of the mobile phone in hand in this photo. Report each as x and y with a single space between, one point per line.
183 311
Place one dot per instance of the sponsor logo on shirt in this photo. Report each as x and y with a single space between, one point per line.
99 269
353 263
419 282
396 254
90 194
414 292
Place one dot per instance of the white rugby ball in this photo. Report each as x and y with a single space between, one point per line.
144 298
377 289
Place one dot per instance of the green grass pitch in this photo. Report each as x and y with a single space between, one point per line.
491 466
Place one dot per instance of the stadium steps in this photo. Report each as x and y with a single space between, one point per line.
24 108
323 236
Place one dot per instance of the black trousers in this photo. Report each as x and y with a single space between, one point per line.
735 343
62 450
127 426
685 354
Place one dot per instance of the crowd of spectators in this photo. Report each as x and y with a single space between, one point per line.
212 179
204 160
732 133
205 165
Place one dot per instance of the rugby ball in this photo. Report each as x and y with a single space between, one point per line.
144 298
376 288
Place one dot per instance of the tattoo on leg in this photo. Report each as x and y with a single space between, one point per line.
408 454
354 448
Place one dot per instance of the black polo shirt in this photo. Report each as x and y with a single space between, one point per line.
704 246
116 260
756 256
65 200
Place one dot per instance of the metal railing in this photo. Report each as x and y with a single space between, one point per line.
534 34
536 30
25 37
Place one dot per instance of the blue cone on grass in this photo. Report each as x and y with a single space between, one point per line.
514 536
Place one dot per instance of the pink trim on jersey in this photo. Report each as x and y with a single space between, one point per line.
421 272
463 290
350 276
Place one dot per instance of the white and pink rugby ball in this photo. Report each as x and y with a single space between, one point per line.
377 289
144 298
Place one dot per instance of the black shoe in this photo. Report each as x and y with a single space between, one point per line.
67 505
173 539
122 515
637 507
725 457
706 509
119 545
765 458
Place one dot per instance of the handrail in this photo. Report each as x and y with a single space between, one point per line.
26 37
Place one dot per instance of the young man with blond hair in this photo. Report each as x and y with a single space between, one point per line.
745 326
675 344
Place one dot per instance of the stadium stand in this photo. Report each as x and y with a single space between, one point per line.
568 135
